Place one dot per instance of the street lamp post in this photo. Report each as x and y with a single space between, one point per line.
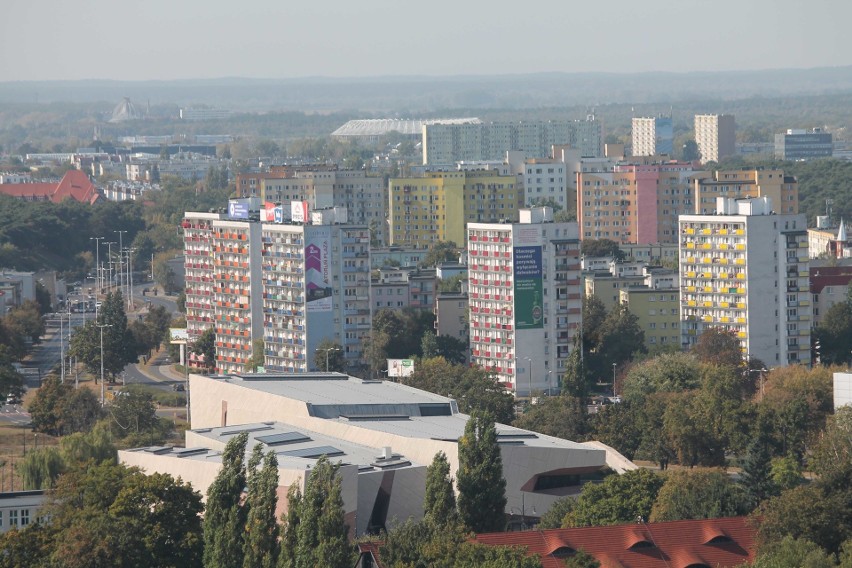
62 346
130 252
327 351
529 360
613 379
110 261
103 387
97 260
549 382
120 259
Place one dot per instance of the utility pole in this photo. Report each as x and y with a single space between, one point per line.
103 387
110 262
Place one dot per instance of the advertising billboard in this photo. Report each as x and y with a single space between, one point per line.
238 209
273 213
400 367
299 211
529 313
317 269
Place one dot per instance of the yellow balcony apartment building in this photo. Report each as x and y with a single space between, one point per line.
439 205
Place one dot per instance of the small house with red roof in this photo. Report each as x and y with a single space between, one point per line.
74 185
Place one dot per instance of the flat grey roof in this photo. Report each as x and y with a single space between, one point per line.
295 448
321 389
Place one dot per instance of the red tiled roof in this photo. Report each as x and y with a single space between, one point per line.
74 185
33 191
677 544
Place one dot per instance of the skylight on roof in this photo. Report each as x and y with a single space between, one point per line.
313 453
283 438
244 429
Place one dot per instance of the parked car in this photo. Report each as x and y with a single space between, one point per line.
178 387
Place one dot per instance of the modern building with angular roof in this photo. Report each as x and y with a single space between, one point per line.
353 421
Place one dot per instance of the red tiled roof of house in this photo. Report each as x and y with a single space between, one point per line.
29 191
74 185
677 544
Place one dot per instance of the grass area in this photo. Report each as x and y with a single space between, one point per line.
163 398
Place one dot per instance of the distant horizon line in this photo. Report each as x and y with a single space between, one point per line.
432 77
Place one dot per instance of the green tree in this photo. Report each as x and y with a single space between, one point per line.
322 532
290 528
820 512
833 333
95 445
26 321
473 388
618 499
598 248
334 352
11 382
110 515
119 346
563 417
581 560
225 517
785 472
698 494
833 452
555 515
718 346
575 380
440 502
424 544
619 426
690 151
442 251
257 355
756 478
40 468
791 551
58 409
669 372
482 488
261 537
205 347
132 411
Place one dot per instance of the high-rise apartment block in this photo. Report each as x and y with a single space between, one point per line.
290 286
782 190
450 143
438 205
796 144
635 203
652 136
198 267
322 187
716 136
524 299
547 180
745 269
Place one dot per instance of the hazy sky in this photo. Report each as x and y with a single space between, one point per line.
177 39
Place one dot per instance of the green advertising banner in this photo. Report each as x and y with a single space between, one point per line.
528 288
